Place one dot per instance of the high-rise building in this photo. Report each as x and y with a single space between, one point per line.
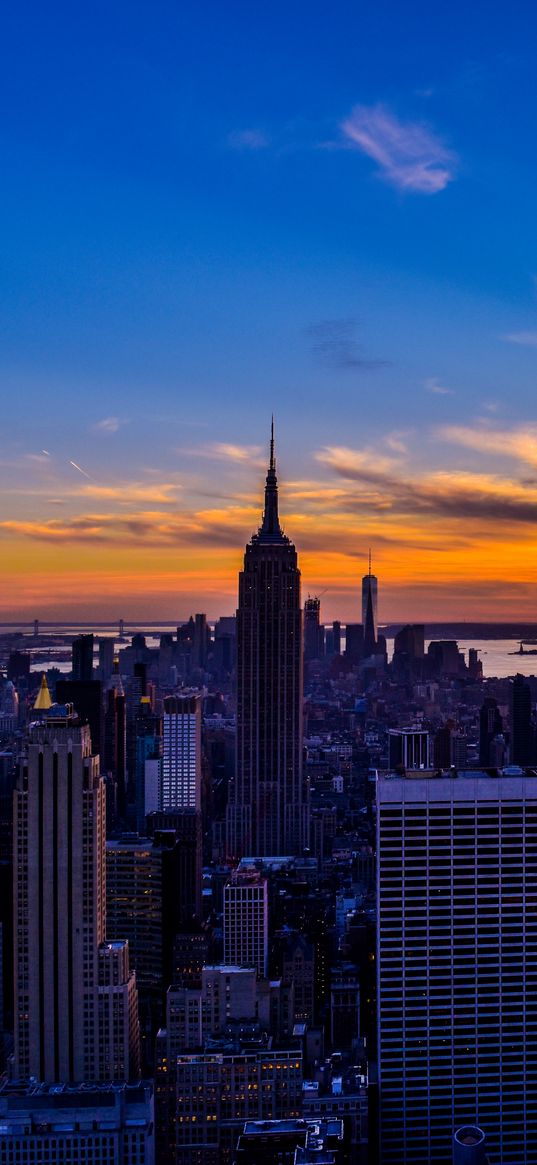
147 729
83 658
410 747
267 812
457 965
181 753
370 608
59 897
313 631
186 825
490 726
410 641
115 738
143 899
246 921
106 659
522 748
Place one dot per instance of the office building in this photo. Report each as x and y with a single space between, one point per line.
106 659
59 897
215 1093
490 727
181 753
410 748
97 1125
147 731
246 921
82 655
370 609
119 1033
87 697
313 631
267 811
115 740
457 965
522 733
187 828
143 897
410 642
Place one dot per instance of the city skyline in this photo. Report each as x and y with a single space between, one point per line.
188 246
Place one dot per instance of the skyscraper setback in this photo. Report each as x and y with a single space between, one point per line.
267 813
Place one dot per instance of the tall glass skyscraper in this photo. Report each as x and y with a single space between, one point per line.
267 813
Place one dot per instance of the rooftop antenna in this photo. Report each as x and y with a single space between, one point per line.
272 463
370 562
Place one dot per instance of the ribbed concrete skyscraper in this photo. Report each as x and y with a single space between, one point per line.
267 813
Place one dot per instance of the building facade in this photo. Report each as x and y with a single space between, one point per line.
267 812
457 965
246 912
181 753
59 893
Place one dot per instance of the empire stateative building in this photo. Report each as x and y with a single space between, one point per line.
267 812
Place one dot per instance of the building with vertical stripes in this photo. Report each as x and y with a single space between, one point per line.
457 964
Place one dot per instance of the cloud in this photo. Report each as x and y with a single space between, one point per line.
248 139
431 384
409 155
335 346
161 493
527 339
519 443
225 451
445 493
108 425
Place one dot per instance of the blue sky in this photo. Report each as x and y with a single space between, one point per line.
211 211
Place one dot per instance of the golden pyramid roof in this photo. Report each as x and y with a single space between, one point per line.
44 699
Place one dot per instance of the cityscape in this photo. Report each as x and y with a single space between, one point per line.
268 892
268 618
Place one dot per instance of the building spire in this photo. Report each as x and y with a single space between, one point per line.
270 528
370 562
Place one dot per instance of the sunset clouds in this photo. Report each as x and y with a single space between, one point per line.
438 529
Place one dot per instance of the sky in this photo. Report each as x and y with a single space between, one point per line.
212 212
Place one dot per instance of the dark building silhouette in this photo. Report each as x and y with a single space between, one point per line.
521 726
82 668
186 824
87 698
490 726
267 813
354 642
106 658
410 641
313 632
115 739
333 639
18 665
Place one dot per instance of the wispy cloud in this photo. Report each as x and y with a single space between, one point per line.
526 339
335 346
432 384
248 139
409 155
519 443
388 486
107 426
225 451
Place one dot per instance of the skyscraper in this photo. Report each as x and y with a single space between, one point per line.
246 921
181 753
521 726
83 658
369 610
457 965
60 910
267 813
313 631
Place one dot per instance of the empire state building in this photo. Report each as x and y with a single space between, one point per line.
267 811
